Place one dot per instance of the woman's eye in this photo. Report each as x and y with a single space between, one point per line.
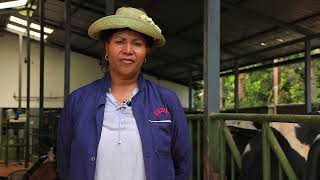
119 42
137 44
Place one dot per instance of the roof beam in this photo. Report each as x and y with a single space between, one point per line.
266 60
187 27
179 73
99 10
60 26
198 77
250 37
82 6
317 35
230 52
11 10
270 19
230 44
78 6
271 65
188 61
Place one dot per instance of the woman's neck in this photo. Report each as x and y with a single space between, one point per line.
122 87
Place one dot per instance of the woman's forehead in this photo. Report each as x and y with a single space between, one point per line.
128 34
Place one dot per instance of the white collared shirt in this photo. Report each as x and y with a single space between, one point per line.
119 155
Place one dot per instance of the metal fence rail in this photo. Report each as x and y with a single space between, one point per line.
269 141
195 123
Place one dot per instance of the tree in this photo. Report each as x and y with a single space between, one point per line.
291 88
198 96
257 88
228 92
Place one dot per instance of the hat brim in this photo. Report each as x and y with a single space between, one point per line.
117 22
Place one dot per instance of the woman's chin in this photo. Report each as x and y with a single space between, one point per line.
128 73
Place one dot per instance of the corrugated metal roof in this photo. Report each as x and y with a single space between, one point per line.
249 31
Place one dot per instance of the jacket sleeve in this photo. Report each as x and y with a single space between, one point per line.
181 146
64 139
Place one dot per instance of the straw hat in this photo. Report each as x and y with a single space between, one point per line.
128 17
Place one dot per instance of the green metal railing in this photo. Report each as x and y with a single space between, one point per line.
225 137
196 134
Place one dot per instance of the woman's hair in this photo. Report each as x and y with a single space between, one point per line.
107 34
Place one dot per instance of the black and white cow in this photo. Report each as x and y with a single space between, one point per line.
294 139
252 159
313 163
241 137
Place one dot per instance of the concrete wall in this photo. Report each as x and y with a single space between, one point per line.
182 91
84 69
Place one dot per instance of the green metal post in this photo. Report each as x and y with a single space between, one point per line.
232 145
211 148
199 138
289 118
281 156
232 169
280 171
190 124
198 120
222 152
211 78
7 145
265 151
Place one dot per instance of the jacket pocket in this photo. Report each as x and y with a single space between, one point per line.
161 134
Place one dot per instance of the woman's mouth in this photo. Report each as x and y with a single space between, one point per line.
127 61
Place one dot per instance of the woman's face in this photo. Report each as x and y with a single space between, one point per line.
126 51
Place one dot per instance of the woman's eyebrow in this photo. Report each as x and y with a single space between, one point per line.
119 37
138 39
134 39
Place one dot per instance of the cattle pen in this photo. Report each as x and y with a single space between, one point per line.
218 135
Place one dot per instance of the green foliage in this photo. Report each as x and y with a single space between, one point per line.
257 88
291 88
198 96
228 92
316 103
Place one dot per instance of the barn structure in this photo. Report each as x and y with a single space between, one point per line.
46 53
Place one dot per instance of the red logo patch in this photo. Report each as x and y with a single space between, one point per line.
158 111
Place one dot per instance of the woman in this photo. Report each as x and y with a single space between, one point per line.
123 127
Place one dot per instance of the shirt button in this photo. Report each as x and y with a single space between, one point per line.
93 158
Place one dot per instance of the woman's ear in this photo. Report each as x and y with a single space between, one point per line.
106 44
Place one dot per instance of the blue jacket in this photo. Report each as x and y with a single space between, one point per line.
166 146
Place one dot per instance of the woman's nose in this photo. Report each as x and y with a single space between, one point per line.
127 48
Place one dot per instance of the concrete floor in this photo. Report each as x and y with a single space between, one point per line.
12 167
